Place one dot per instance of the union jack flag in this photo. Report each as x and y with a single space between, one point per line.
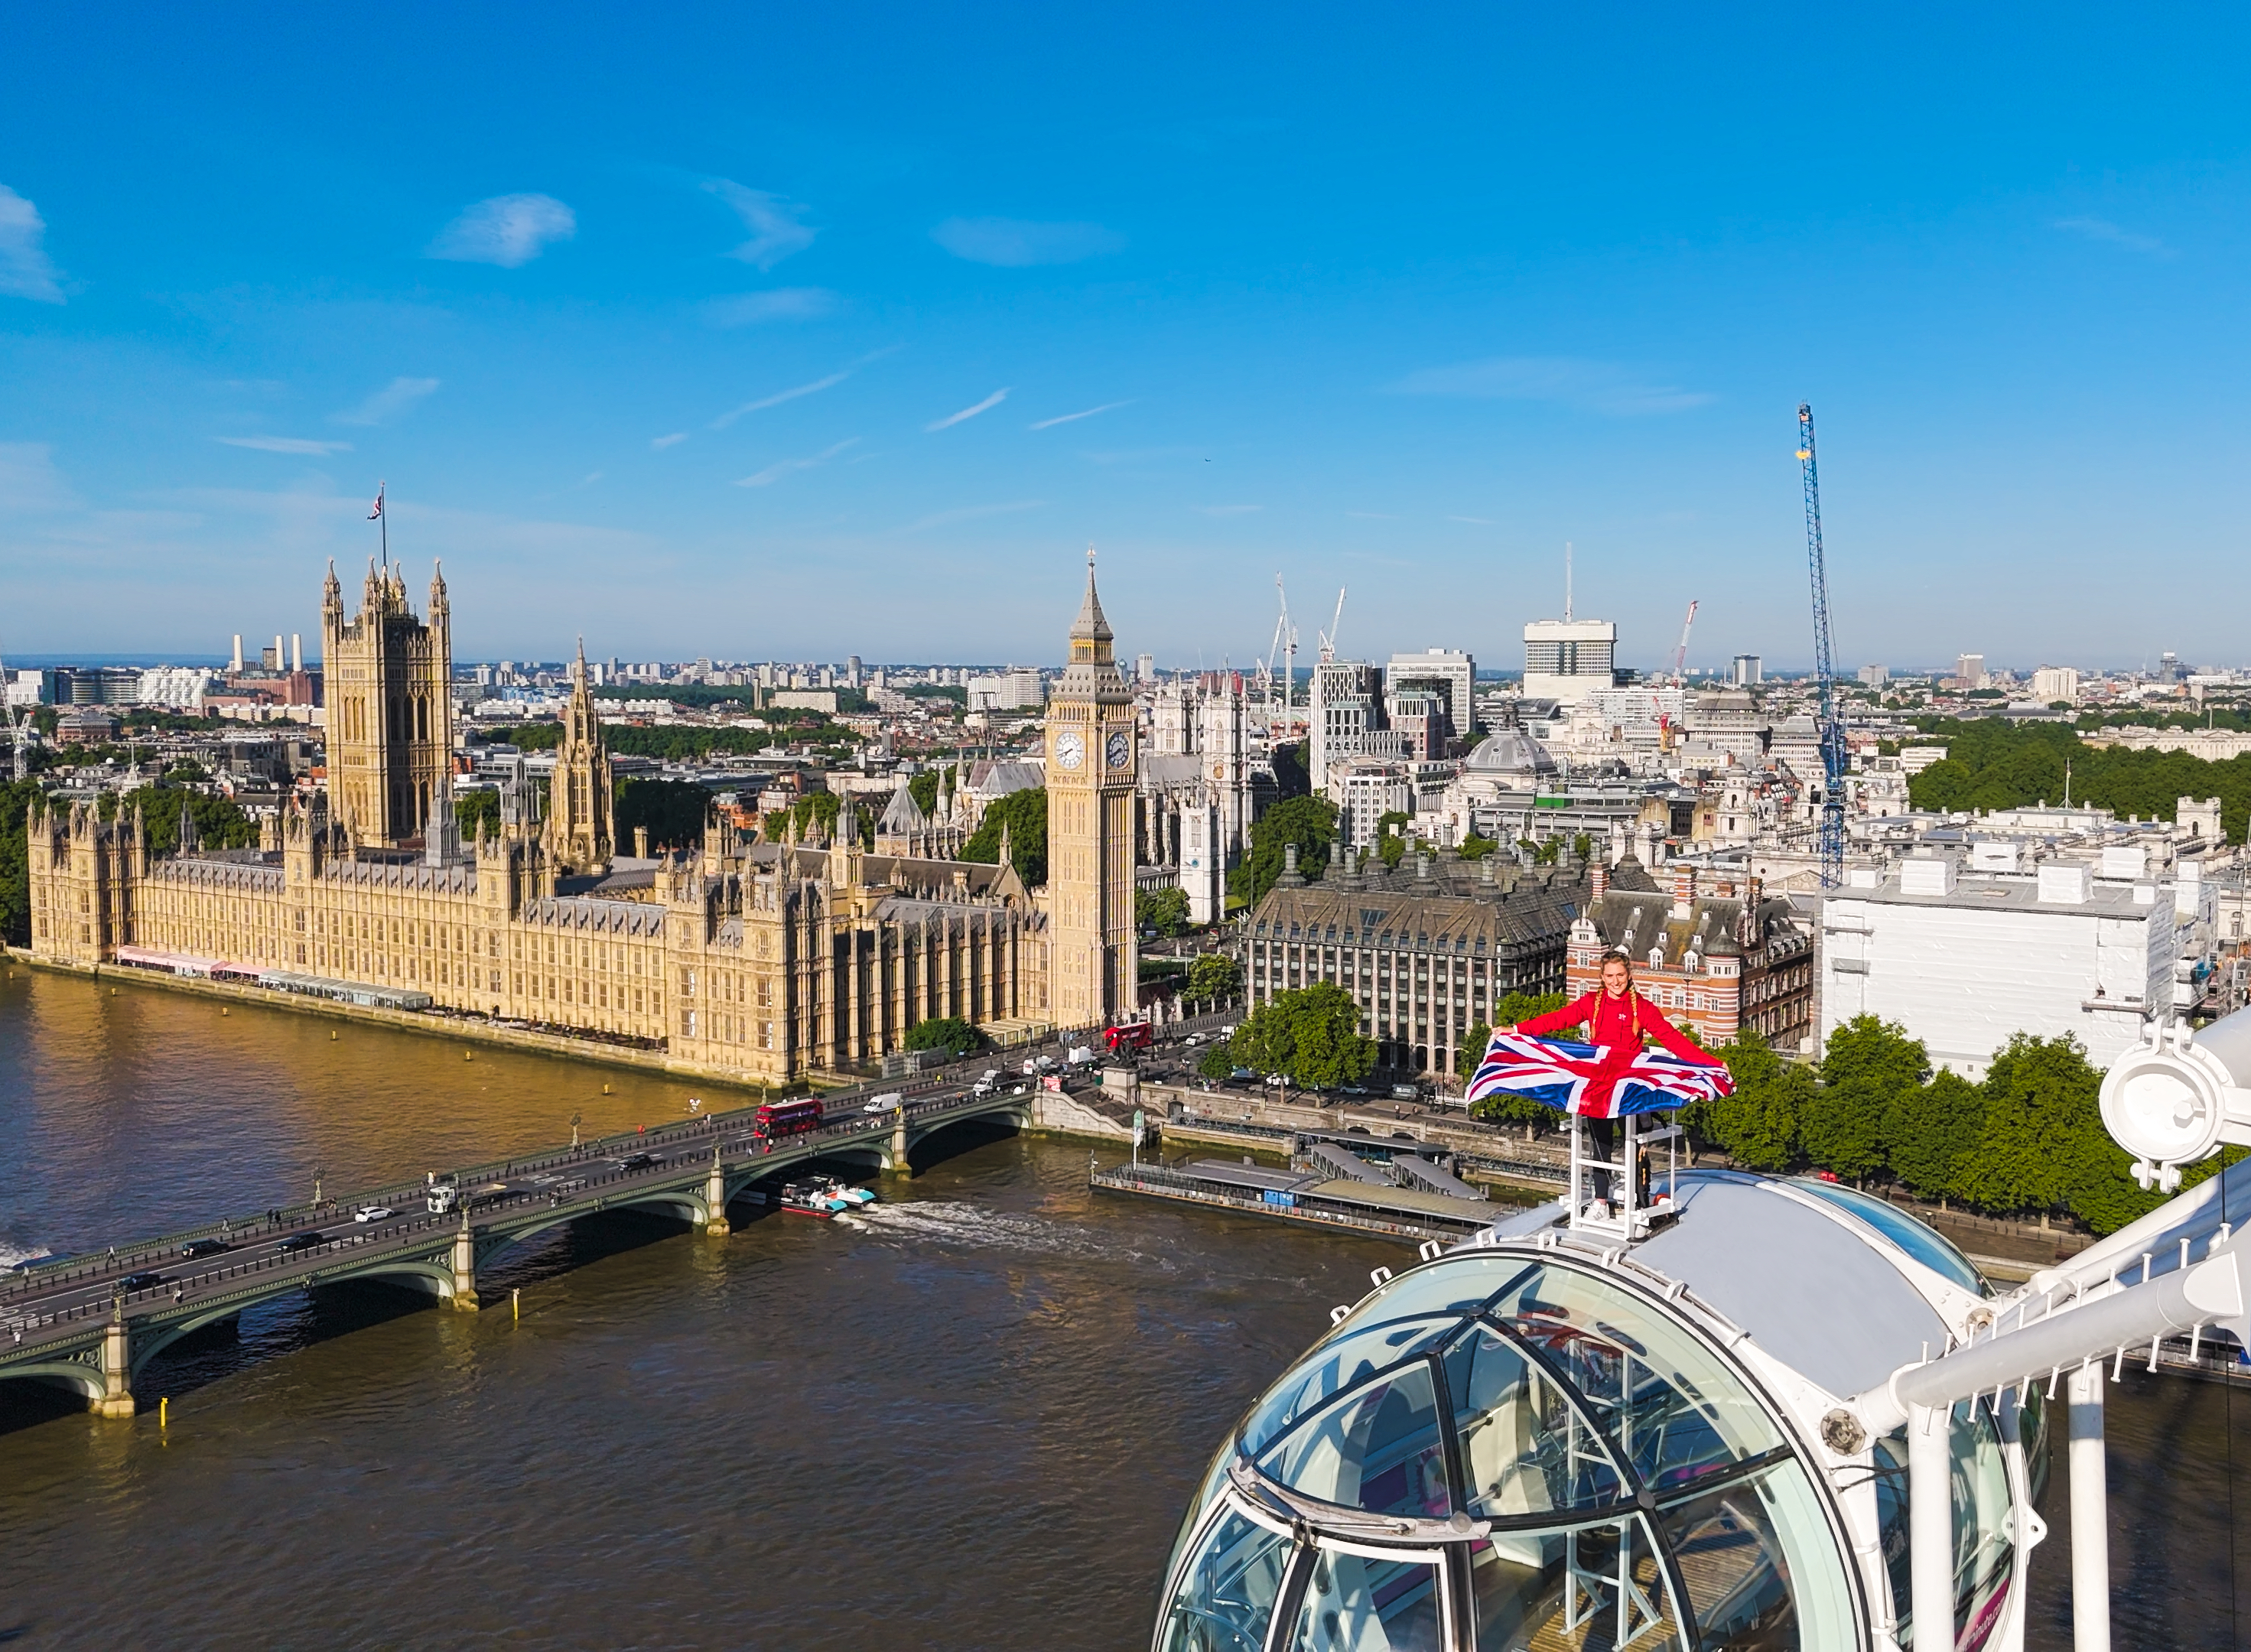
1576 1078
378 511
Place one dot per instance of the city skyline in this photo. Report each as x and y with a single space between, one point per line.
1402 314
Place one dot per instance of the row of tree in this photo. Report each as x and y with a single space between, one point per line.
2028 1140
1994 764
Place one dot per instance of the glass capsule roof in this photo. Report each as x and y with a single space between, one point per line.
1509 1449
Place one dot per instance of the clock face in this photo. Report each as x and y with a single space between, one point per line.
1070 748
1121 748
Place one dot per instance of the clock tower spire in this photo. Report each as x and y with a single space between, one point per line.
1093 764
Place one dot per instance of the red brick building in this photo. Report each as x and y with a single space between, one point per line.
1716 958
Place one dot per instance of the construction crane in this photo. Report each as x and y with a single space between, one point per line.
1336 624
1831 728
1680 654
1286 645
19 732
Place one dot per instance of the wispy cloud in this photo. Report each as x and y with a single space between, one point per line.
1599 387
1228 510
394 398
2104 229
1069 419
1477 522
779 397
29 479
775 232
25 270
1015 243
774 472
286 444
660 443
508 230
971 512
985 406
778 304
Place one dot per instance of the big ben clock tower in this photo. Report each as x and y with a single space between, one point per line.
1093 762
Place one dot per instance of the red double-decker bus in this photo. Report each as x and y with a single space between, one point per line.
787 1118
1129 1038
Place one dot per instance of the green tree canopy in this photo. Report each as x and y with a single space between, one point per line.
1215 975
1308 822
1025 815
674 811
1165 911
1930 1130
948 1033
1868 1065
219 824
1756 1126
1993 764
1310 1034
16 799
1291 779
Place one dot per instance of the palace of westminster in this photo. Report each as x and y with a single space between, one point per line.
767 959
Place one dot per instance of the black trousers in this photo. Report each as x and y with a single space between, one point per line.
1601 1135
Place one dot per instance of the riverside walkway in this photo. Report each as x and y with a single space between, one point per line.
93 1323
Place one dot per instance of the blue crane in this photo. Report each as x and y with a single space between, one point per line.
1830 727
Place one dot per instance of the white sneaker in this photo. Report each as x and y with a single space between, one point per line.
1598 1211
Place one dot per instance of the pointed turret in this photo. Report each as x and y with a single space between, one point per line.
1090 626
188 844
440 608
332 601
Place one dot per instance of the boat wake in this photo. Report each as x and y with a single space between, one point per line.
954 1222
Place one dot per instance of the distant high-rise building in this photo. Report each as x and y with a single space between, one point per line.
1970 670
2052 683
1347 709
1448 673
1875 676
1145 668
852 674
1569 659
1748 670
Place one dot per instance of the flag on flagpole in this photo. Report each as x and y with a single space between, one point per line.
378 511
1576 1078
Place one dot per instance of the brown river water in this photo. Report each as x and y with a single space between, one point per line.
971 1419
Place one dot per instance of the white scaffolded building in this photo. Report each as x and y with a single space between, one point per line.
1964 962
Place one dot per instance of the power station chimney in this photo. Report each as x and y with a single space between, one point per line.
237 653
296 651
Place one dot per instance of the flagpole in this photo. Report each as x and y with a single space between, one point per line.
383 520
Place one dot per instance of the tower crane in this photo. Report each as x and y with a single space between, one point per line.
19 732
1286 645
1680 654
1336 624
1829 727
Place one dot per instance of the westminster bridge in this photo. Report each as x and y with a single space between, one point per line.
93 1323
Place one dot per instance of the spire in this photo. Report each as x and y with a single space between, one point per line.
439 606
187 829
1090 626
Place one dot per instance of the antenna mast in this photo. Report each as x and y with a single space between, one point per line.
1832 839
1567 581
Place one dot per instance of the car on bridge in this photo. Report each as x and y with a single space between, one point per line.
637 1161
373 1214
196 1248
142 1281
301 1241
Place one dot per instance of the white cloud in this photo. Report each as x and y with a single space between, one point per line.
1014 242
973 513
394 398
1600 387
781 304
286 444
985 406
777 398
508 230
1477 521
660 443
774 472
1071 418
775 232
2104 229
25 270
29 479
1228 510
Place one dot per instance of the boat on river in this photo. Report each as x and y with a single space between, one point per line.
807 1199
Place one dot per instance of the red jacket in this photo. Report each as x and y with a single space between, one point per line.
1618 1026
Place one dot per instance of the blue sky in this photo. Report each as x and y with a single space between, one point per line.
791 332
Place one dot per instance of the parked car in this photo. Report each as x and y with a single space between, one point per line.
196 1248
143 1282
301 1242
1354 1090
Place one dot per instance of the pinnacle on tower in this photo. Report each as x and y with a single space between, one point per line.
1090 626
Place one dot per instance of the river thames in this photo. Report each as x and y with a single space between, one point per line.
967 1418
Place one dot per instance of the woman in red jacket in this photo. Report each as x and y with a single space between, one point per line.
1616 1019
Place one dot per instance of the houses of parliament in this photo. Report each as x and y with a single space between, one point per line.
769 960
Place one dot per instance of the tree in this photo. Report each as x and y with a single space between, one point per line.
1757 1125
1929 1131
479 805
1308 822
674 811
1522 1006
1217 1061
1475 1037
948 1033
1583 847
1165 911
1025 816
1214 976
1868 1063
1474 848
2032 1147
219 824
16 799
1310 1035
